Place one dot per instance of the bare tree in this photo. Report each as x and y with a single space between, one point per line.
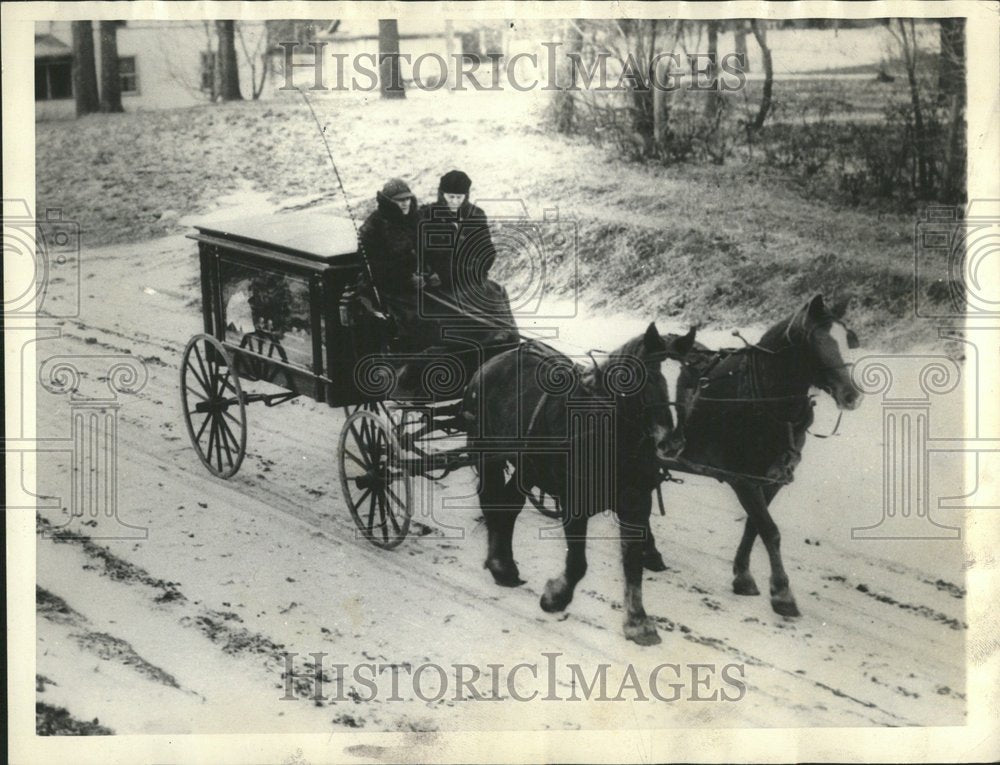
84 69
906 37
565 99
740 42
951 95
661 100
714 101
760 34
227 67
390 78
111 86
253 58
951 64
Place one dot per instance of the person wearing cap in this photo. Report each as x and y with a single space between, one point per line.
389 239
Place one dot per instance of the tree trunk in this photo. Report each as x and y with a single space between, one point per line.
713 100
920 131
111 86
951 63
84 69
390 78
642 96
228 67
760 34
565 105
740 39
661 96
951 94
449 44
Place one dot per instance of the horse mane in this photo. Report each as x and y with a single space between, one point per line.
785 330
634 348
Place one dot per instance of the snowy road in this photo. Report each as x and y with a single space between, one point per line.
185 630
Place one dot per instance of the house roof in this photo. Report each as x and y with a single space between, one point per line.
364 29
48 46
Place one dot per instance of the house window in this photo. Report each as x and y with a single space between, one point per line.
127 74
53 79
208 71
470 46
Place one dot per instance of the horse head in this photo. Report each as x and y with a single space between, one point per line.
633 376
810 328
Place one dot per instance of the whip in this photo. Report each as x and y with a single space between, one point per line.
347 202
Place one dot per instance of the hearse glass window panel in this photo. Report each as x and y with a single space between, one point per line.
127 74
269 305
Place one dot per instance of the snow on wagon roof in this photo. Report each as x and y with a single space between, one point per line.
310 233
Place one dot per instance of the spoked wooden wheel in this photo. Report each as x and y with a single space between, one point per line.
214 410
376 486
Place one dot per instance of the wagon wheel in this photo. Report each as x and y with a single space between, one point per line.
209 390
538 500
263 345
374 483
406 423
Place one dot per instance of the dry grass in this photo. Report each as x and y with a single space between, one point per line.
724 245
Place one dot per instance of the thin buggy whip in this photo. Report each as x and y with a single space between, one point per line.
347 202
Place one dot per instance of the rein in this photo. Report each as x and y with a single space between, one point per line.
541 349
753 376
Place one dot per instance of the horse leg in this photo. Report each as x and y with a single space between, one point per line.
500 511
633 517
559 591
651 558
755 503
743 581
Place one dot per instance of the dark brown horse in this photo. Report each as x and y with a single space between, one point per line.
591 437
745 413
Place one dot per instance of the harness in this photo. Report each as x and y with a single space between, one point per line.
748 373
540 349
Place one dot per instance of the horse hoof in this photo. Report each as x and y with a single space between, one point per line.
785 606
642 632
745 585
504 574
653 561
556 596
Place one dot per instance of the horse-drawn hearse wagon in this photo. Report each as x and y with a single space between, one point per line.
278 315
281 320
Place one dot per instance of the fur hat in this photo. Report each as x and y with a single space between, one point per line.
396 189
455 182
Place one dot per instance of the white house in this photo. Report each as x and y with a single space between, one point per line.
350 47
161 64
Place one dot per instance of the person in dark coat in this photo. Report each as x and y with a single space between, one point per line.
456 246
389 239
455 235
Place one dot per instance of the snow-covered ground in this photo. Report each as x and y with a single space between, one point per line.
185 630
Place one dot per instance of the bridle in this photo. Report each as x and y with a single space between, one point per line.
752 372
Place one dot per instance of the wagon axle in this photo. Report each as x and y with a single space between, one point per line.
377 479
269 399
